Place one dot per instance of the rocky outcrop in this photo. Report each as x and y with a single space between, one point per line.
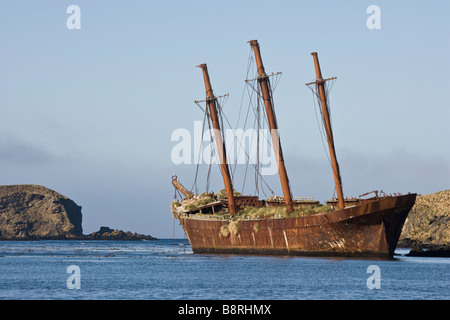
106 233
36 212
32 212
427 228
430 251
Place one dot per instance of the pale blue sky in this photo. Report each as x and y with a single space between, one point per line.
89 113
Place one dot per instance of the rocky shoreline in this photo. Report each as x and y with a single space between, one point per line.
426 230
33 212
434 251
105 233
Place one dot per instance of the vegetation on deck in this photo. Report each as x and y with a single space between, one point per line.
266 212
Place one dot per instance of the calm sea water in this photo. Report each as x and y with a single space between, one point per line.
167 269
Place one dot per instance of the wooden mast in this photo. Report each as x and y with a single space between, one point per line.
211 104
266 94
320 83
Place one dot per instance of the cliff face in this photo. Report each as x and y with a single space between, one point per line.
428 223
36 212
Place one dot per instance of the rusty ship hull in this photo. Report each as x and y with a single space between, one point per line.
370 229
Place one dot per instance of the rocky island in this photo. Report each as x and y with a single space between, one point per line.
33 212
427 228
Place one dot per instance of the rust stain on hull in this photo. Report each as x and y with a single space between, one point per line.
369 229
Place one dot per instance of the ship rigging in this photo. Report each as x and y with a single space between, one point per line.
228 222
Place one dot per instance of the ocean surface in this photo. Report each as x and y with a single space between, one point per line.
168 270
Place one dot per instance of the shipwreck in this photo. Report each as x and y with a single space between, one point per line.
228 222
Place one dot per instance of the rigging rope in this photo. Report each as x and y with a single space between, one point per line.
199 154
246 152
258 123
327 88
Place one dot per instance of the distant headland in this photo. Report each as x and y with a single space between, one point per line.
33 212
